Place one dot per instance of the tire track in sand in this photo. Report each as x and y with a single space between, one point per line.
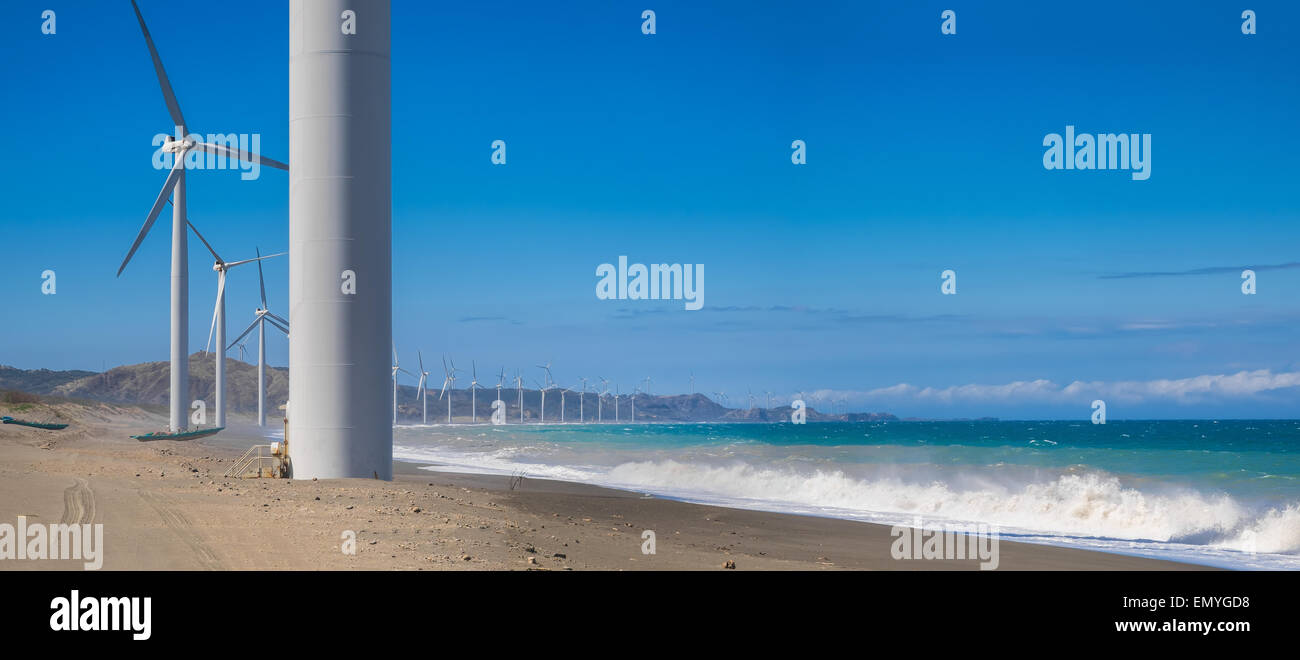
78 503
181 526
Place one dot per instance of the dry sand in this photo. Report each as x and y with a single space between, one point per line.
165 505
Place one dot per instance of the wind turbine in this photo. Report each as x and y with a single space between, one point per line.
615 403
396 368
600 400
692 382
542 388
545 386
646 389
632 396
473 399
563 391
264 315
241 353
722 397
582 417
423 391
174 188
769 398
450 379
519 385
501 378
218 327
750 394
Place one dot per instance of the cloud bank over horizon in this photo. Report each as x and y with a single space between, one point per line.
1201 390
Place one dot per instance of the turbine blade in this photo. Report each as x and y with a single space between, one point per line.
163 194
420 354
172 106
249 261
221 290
279 319
240 154
206 244
244 333
277 325
260 280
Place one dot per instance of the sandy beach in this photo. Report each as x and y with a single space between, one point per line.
166 505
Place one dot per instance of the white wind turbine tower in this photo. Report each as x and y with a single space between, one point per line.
600 400
542 388
241 353
174 187
449 380
501 379
582 417
646 389
750 394
473 399
563 391
615 403
422 387
519 385
769 399
545 386
218 327
264 315
396 368
632 397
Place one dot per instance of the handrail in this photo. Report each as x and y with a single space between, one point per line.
253 455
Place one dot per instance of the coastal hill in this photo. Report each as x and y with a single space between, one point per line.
146 384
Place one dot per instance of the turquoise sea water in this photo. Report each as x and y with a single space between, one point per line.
1225 493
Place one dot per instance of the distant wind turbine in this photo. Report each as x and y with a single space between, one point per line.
264 315
519 385
501 379
473 387
396 368
600 400
422 387
582 418
450 380
218 327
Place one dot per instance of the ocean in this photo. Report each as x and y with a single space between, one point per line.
1220 493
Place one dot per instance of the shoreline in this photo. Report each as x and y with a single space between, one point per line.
166 506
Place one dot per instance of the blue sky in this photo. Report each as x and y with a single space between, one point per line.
924 154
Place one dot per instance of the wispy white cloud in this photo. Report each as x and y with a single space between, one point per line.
1195 389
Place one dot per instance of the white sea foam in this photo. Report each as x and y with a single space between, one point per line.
1088 508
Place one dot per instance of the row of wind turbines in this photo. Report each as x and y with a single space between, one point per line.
547 384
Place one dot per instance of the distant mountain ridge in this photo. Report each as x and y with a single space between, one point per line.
147 384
